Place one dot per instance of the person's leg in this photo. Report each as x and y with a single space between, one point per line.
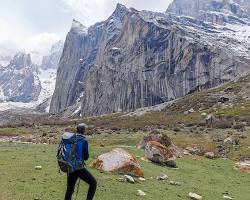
86 176
71 181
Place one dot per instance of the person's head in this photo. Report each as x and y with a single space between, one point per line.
81 128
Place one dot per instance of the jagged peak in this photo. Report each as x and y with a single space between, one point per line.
120 11
120 6
21 60
22 56
78 27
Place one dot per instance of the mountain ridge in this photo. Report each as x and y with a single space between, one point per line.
139 58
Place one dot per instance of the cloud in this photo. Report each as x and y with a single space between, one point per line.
36 29
21 38
40 44
42 41
90 12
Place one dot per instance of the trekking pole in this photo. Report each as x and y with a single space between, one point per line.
77 189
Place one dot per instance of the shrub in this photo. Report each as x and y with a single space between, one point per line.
238 126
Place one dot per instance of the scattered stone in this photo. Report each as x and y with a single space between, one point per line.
195 149
223 99
186 112
162 177
140 193
39 167
203 114
185 152
209 155
129 179
142 179
194 196
227 197
118 160
174 183
160 154
229 140
243 166
228 89
191 110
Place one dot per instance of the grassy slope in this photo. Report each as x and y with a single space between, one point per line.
210 178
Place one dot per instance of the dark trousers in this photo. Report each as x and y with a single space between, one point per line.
84 175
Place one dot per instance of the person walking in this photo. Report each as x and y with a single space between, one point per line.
80 171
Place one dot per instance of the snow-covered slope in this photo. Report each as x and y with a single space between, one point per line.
47 80
25 85
19 80
214 11
224 23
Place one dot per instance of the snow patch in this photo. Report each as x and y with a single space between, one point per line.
47 79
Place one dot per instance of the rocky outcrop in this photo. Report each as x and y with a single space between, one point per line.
19 80
214 11
158 153
157 137
118 160
138 59
51 60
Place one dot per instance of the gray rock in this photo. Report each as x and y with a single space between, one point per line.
129 179
162 177
174 183
209 155
140 193
19 80
39 167
227 197
137 59
229 140
194 196
51 60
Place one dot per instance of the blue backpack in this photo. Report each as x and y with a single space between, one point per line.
70 152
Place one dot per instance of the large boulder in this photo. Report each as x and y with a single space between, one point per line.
161 154
243 166
118 160
157 137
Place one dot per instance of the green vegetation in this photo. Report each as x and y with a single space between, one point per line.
209 178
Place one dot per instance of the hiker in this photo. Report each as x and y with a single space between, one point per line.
78 171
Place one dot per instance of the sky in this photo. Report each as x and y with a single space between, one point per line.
33 25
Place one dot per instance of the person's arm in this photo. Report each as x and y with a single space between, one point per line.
85 150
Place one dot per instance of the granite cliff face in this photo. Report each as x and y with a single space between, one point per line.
215 11
137 59
51 60
19 80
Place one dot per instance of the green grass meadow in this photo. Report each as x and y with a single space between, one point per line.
209 178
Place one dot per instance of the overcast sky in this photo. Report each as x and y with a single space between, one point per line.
35 24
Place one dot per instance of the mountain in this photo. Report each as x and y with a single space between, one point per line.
6 54
215 11
138 59
51 60
19 80
27 86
